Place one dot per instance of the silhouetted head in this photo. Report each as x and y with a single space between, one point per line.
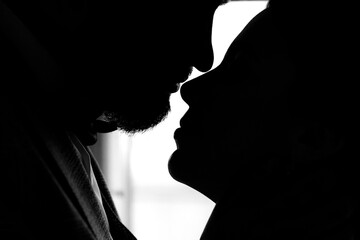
267 109
122 57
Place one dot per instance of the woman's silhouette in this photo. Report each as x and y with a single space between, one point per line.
269 134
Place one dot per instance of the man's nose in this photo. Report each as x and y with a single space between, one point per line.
202 46
204 58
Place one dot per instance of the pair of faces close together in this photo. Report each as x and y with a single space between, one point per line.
269 108
237 112
270 135
108 57
109 61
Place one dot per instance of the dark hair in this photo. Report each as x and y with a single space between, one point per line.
322 41
321 47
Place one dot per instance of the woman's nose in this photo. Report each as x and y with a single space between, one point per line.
190 91
199 89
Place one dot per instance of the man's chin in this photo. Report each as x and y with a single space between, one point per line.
138 120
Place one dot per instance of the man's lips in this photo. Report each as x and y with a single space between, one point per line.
174 88
178 78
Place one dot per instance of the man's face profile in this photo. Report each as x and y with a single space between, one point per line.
152 56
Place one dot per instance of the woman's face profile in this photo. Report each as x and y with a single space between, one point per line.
235 111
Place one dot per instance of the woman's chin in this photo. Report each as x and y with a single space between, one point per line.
178 167
183 168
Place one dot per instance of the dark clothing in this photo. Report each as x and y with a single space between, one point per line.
45 189
311 206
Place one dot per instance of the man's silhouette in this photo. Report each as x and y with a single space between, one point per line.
70 69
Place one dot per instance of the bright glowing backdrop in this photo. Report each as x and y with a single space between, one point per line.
160 208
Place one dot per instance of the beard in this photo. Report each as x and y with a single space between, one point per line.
139 116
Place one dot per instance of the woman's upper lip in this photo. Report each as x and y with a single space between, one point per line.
185 121
182 137
189 128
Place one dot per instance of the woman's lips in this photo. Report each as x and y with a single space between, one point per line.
178 137
181 138
185 138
